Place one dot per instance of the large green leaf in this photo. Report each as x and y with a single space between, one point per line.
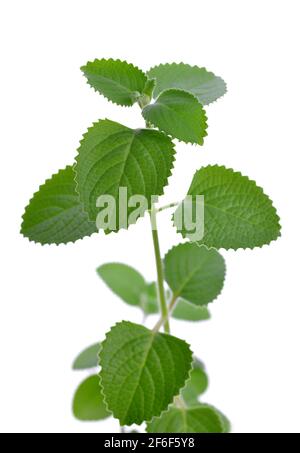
189 312
196 419
179 114
196 385
118 81
88 358
88 401
111 157
203 84
141 371
194 273
55 215
237 213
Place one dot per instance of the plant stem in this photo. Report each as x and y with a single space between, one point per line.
159 271
162 319
167 206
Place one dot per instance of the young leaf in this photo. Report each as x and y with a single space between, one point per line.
112 156
124 281
141 371
203 84
186 311
118 81
179 114
88 401
54 214
237 213
198 419
195 386
88 358
194 273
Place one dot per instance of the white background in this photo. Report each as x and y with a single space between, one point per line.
52 302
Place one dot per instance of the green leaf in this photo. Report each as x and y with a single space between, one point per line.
118 81
111 157
179 114
194 273
237 213
141 371
198 419
149 302
124 281
203 84
189 312
88 358
196 385
130 286
55 215
88 401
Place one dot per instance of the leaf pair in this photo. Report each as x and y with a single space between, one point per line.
123 83
131 287
237 214
111 157
180 91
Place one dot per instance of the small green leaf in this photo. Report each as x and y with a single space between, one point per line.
189 312
194 273
118 81
179 114
88 401
88 358
203 84
237 213
112 157
55 215
141 371
196 385
124 281
198 419
130 286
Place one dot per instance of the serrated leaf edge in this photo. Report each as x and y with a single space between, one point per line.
100 378
95 123
173 136
118 61
192 66
225 273
257 186
57 244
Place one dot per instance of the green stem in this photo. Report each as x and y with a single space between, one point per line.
167 206
159 270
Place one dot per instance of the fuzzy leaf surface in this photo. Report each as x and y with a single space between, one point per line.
88 358
201 83
194 273
88 401
112 156
179 114
55 215
141 371
118 81
237 213
198 419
